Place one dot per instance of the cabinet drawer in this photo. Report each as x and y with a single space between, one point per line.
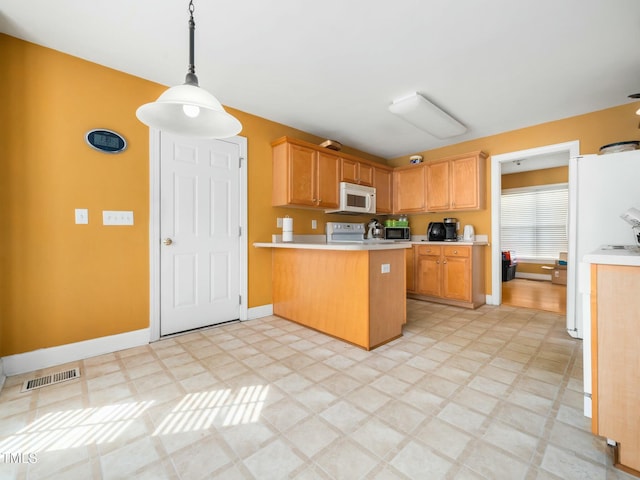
456 251
429 250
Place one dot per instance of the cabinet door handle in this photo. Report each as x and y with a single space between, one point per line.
444 262
437 262
455 252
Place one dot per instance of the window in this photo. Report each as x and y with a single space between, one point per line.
533 221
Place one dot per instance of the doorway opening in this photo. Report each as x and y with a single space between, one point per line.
532 159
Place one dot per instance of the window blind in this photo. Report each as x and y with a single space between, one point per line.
533 221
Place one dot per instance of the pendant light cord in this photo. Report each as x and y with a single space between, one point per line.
191 78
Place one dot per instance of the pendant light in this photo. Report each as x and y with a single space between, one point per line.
188 109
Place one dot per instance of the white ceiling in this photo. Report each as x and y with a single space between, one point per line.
332 67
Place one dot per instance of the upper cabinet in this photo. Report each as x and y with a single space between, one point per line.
307 175
353 171
409 188
383 181
304 177
456 183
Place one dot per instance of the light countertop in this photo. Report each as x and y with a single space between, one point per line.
615 255
319 242
449 244
374 245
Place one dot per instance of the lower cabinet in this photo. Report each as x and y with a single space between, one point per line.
615 360
452 274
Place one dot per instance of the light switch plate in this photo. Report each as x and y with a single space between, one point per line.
117 217
82 216
278 222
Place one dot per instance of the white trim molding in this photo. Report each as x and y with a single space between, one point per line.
259 312
573 149
50 357
2 375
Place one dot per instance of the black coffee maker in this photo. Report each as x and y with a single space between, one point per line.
450 229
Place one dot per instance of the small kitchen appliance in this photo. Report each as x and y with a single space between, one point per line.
469 233
355 199
400 234
436 232
376 230
451 229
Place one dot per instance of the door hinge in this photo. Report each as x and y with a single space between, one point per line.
239 299
239 231
241 159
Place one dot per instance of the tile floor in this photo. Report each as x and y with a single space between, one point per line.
493 393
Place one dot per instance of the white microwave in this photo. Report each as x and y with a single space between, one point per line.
356 199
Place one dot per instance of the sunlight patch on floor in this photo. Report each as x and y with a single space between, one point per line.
75 428
198 411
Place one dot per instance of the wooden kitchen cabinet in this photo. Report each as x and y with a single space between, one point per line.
304 177
456 183
327 191
452 274
383 182
353 171
615 358
428 270
308 176
438 186
409 188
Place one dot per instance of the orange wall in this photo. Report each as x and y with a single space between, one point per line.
62 283
593 130
545 176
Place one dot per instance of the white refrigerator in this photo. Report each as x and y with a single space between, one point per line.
601 188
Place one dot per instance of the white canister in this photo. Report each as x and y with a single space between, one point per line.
287 229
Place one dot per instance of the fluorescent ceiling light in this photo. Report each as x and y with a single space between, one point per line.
421 113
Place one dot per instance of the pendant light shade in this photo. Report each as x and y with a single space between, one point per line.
187 109
191 111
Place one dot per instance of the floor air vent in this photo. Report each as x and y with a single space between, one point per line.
51 379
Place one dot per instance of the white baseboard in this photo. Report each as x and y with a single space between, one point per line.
50 357
259 312
2 375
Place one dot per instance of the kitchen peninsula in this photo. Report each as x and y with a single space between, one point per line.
352 291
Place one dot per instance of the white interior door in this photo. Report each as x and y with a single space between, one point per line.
200 233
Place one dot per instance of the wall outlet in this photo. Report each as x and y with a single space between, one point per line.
82 216
117 217
279 222
314 224
386 268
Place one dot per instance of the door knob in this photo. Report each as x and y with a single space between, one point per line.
167 241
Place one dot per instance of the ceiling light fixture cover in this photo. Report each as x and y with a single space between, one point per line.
422 114
188 109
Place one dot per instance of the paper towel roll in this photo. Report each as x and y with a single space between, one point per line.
287 229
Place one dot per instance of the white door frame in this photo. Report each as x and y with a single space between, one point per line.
154 230
573 148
